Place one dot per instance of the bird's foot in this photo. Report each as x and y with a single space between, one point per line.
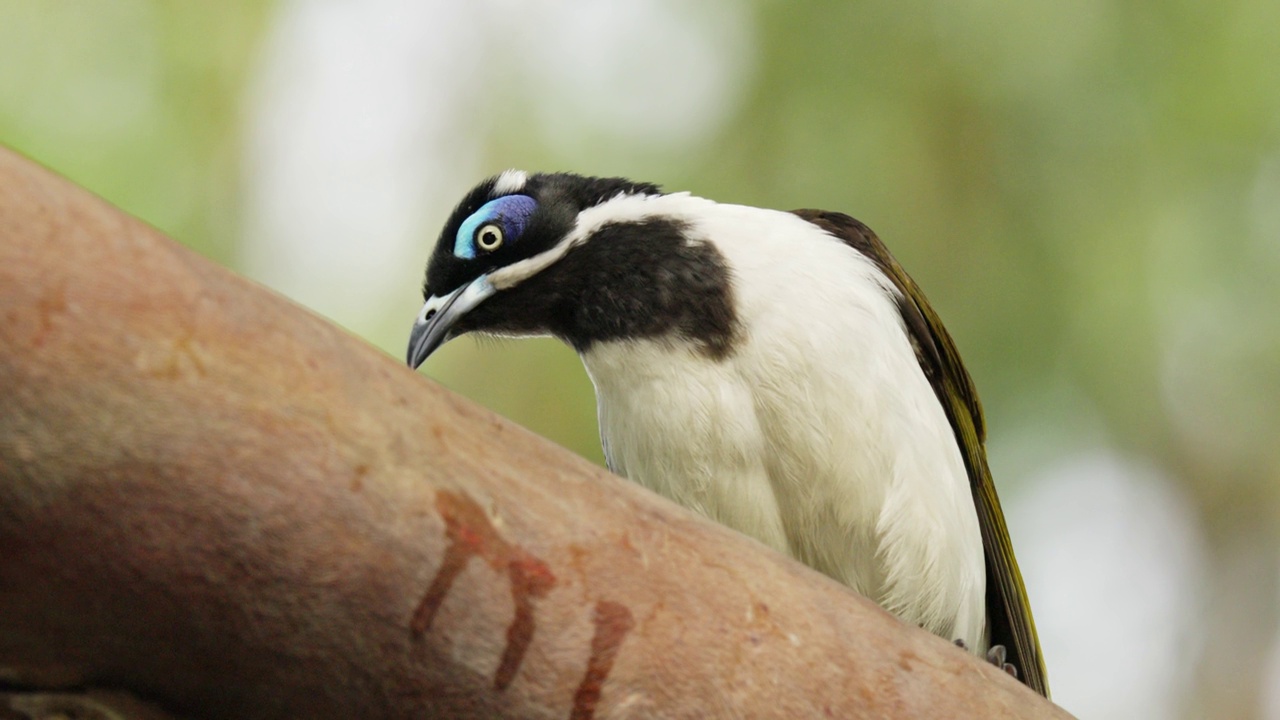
996 655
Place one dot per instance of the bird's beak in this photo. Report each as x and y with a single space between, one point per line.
440 314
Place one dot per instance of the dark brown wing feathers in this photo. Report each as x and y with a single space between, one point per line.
1008 613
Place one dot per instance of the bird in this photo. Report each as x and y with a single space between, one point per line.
775 371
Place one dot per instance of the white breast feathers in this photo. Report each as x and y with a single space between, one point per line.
819 435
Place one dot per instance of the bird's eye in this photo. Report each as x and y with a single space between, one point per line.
489 237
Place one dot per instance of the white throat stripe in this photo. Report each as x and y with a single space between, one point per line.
621 209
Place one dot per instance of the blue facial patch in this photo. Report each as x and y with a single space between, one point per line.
511 213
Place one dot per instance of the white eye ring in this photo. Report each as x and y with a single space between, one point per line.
489 237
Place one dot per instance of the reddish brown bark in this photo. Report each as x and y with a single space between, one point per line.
216 501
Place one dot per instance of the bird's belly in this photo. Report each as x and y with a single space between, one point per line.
792 471
696 436
689 435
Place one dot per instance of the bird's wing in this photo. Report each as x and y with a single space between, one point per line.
1008 613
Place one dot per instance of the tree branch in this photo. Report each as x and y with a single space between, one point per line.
220 503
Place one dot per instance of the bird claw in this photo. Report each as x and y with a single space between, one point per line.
996 656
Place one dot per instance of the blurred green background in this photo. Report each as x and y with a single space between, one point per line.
1088 191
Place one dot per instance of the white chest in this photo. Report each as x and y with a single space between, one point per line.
819 435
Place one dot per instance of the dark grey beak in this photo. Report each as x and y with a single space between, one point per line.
440 314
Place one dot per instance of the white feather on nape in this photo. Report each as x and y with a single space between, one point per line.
510 182
624 208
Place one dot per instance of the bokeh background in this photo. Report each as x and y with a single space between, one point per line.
1089 191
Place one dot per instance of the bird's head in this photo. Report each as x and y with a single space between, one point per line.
581 258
